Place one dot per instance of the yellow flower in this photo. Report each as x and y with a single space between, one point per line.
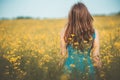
72 65
84 58
13 59
72 35
69 38
90 38
85 41
117 44
76 43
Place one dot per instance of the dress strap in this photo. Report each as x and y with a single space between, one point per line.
94 35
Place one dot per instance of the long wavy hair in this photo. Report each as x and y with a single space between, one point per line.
79 27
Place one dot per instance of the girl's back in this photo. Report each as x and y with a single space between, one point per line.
78 38
78 63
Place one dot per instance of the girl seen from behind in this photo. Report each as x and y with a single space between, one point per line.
80 45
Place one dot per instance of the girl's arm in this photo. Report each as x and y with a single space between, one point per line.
62 47
95 53
62 42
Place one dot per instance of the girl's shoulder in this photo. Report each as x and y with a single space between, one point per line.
96 33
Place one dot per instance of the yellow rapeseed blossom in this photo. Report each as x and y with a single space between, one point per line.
76 43
70 39
72 35
39 43
85 41
90 38
72 65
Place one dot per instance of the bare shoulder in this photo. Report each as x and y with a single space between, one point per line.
96 32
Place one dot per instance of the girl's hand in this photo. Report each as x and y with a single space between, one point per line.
97 62
62 60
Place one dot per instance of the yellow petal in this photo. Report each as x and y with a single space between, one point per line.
72 35
72 65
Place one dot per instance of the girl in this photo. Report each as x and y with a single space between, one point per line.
80 44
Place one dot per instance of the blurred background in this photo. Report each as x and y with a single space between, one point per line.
30 38
54 8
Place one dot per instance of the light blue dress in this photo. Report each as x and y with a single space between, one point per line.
79 64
